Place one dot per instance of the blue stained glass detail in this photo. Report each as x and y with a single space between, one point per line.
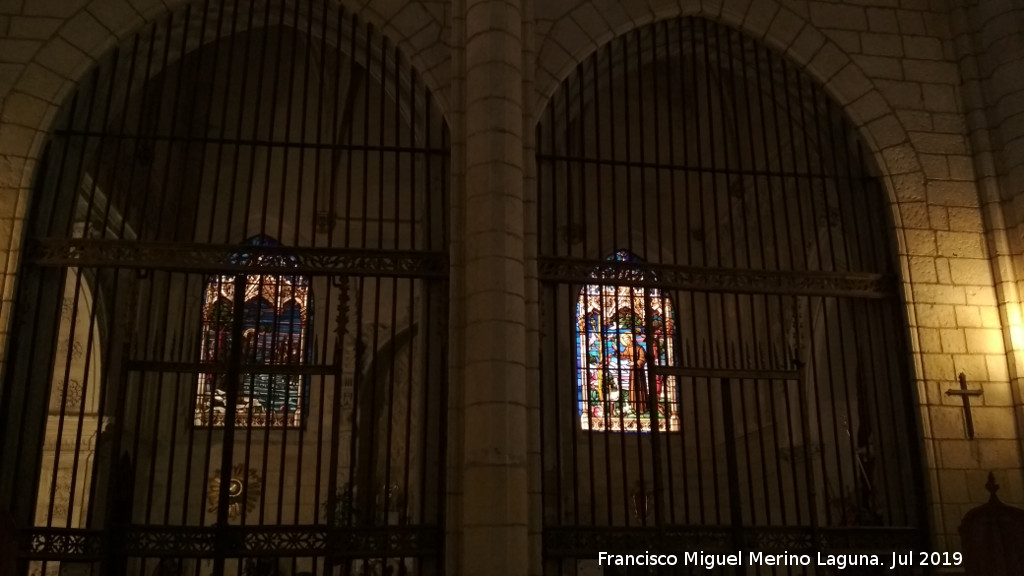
614 351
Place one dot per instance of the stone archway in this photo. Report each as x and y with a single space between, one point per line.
237 206
749 203
70 37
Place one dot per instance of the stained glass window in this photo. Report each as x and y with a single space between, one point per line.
622 331
275 337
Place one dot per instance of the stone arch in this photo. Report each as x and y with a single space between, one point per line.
587 163
574 35
393 134
94 27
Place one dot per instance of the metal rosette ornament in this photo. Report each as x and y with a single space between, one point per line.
243 490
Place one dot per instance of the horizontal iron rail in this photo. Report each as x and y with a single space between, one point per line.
217 258
587 541
702 169
222 368
262 142
735 373
742 281
232 542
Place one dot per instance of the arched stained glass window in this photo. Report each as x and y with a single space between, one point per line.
622 331
275 337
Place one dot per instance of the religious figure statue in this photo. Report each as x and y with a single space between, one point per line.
635 361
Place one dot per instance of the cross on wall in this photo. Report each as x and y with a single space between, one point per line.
965 394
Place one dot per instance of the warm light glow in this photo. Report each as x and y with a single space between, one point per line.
1016 328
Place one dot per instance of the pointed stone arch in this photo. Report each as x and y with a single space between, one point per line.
32 92
801 199
576 34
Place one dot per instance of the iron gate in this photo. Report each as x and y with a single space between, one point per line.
229 350
724 362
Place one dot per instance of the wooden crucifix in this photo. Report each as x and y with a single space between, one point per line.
965 394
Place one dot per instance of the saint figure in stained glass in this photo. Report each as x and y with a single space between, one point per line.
621 332
274 337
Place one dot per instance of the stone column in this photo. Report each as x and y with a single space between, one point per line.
489 347
990 46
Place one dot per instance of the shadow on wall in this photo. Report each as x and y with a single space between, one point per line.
993 537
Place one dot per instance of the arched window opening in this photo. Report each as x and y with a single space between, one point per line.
274 331
623 334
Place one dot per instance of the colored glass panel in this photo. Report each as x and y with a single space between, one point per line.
275 320
621 332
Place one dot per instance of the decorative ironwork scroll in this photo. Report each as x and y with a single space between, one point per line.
740 281
222 258
236 541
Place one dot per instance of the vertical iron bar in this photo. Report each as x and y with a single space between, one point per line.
833 389
734 37
844 349
223 110
71 330
699 235
616 244
783 509
628 199
179 380
582 368
303 150
894 349
567 143
428 348
744 394
825 181
367 50
844 180
651 384
709 235
348 120
869 382
752 151
735 511
793 182
114 473
602 247
79 171
876 204
275 86
164 288
227 449
558 427
780 229
94 308
686 259
381 105
794 239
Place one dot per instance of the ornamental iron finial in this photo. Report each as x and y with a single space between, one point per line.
992 487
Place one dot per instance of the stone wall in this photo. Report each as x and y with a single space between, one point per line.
933 86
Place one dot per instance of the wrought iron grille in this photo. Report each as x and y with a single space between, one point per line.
232 307
740 381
